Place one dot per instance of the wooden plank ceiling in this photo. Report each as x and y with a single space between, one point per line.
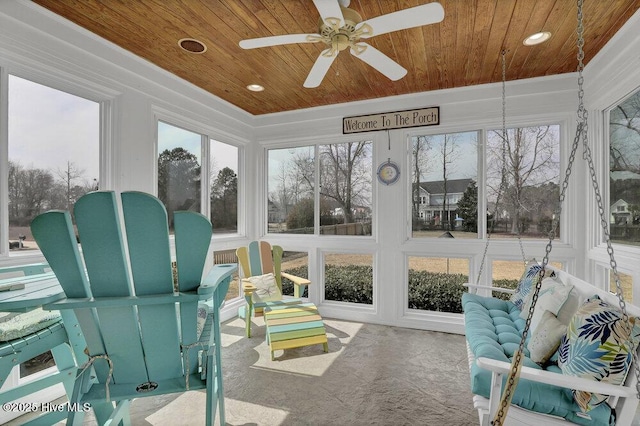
462 50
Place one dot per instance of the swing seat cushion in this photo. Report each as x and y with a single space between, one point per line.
493 329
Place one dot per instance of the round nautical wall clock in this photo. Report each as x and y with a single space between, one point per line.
388 172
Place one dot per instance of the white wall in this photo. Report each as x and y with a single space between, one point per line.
37 44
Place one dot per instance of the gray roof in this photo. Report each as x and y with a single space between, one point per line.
453 186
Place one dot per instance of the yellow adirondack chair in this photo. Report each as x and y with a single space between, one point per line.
255 261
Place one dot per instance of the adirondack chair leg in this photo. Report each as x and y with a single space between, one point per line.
219 391
65 361
248 295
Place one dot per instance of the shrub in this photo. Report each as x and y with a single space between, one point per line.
427 290
433 291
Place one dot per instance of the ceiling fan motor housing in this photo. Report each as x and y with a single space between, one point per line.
339 38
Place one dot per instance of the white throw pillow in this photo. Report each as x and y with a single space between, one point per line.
553 294
545 340
267 289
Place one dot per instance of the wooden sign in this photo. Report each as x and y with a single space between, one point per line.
391 120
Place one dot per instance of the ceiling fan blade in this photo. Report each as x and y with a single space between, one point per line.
254 43
330 10
320 68
426 14
378 60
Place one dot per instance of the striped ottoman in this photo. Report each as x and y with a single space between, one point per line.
293 326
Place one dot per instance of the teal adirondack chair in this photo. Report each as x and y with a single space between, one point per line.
141 334
25 334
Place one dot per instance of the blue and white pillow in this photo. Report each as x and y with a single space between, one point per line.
598 346
529 280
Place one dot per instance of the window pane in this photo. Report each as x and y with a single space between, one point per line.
528 198
436 284
290 188
443 185
348 278
624 174
626 284
224 187
345 188
54 145
179 159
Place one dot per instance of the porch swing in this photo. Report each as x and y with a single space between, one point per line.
576 366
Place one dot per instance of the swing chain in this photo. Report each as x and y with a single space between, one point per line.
581 133
503 180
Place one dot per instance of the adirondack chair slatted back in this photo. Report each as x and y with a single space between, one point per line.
260 258
144 341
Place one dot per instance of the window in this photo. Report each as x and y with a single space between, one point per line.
444 173
528 198
345 188
348 278
344 191
624 171
290 190
54 148
179 163
436 284
224 187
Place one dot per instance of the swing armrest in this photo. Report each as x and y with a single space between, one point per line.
480 287
562 380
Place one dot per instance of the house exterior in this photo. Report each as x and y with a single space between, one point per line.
431 206
620 213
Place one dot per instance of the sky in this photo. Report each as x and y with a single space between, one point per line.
48 127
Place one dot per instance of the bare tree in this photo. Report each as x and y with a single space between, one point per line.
345 175
532 159
421 162
449 154
69 176
624 127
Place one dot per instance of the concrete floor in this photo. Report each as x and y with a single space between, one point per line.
372 375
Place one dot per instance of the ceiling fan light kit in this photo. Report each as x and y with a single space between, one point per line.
340 28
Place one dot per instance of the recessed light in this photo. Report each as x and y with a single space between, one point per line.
255 87
192 45
537 38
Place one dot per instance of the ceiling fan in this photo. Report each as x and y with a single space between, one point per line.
341 27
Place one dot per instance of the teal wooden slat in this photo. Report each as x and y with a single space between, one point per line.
193 233
54 233
145 219
100 233
296 326
193 236
98 224
254 258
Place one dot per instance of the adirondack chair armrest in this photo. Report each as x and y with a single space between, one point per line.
296 280
247 287
498 289
215 276
104 302
562 380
